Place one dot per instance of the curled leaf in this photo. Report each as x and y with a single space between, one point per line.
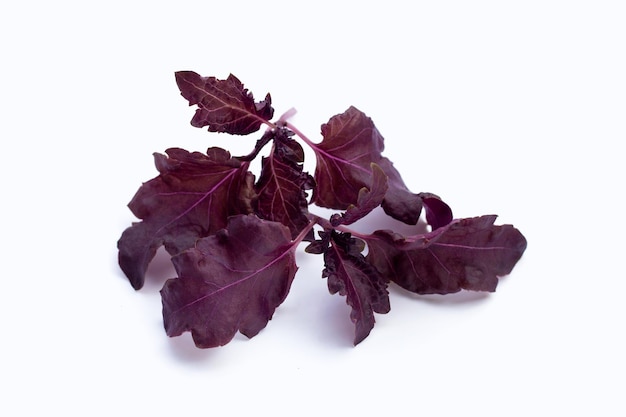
367 200
438 213
351 143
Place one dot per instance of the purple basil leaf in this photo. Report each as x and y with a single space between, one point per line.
191 198
399 203
351 275
367 200
231 281
351 143
466 254
319 246
281 194
438 213
223 105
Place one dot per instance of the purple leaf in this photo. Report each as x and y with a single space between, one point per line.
367 200
438 213
223 105
466 254
233 241
231 281
399 203
191 198
281 194
351 143
350 275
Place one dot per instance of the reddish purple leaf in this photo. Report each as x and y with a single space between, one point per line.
399 203
223 105
233 242
191 198
350 275
231 281
438 213
467 254
351 143
367 200
281 194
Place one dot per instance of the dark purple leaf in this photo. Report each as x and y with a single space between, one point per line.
351 143
438 213
191 198
281 194
367 200
233 242
466 254
223 105
231 281
350 275
399 203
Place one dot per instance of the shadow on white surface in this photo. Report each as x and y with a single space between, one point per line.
461 297
334 327
183 349
160 270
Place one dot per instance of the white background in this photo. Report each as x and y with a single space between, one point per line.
515 108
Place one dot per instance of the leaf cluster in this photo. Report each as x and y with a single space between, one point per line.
232 236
